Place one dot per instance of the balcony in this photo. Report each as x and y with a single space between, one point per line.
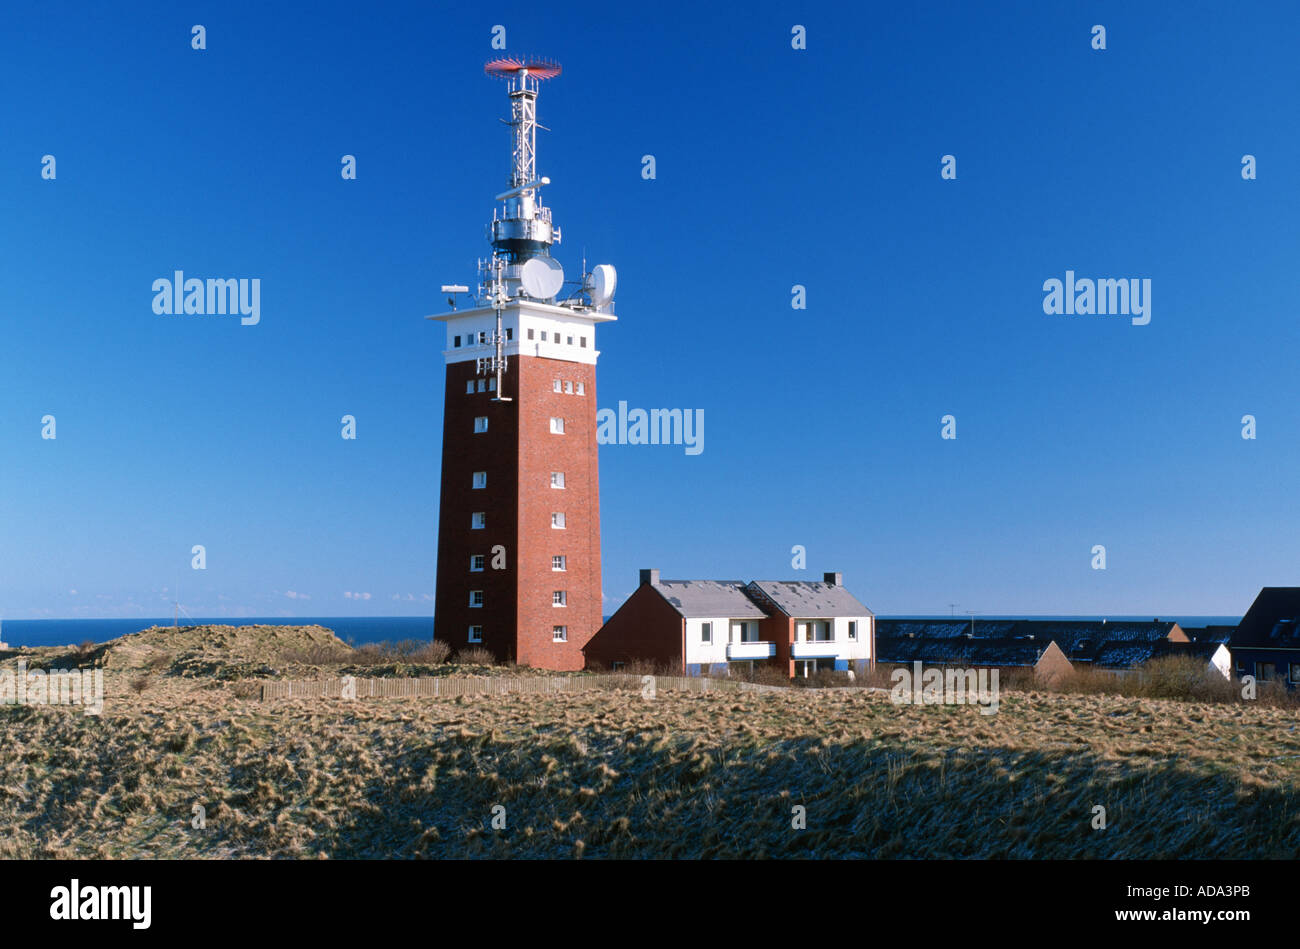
752 650
816 649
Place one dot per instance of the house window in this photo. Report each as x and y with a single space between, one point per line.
478 520
469 386
853 629
482 385
557 520
581 389
706 632
821 632
480 479
476 634
480 424
615 666
557 479
559 563
455 342
530 333
556 386
1294 674
492 384
559 634
557 426
477 562
510 333
559 598
1264 671
482 337
476 598
568 388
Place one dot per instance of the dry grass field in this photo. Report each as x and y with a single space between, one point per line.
611 774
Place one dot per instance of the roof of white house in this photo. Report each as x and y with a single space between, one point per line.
810 599
709 598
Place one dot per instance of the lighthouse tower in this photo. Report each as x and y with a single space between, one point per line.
519 521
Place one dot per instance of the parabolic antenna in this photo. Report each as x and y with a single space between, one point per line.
603 281
541 277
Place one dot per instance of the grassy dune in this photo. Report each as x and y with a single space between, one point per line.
601 774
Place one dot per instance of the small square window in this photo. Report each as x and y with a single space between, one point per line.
558 563
477 563
557 479
581 389
510 333
555 387
480 480
530 333
478 520
583 341
482 337
557 426
455 342
476 634
570 340
476 598
557 520
480 424
559 598
559 634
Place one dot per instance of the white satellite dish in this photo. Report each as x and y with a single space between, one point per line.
603 281
541 277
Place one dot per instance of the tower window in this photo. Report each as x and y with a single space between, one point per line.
583 341
510 333
530 333
557 426
492 384
469 386
482 385
557 520
559 598
482 337
581 389
478 520
557 479
455 342
559 634
558 563
480 479
543 336
475 598
476 634
477 562
570 340
568 388
480 424
556 386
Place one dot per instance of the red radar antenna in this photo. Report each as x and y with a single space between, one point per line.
510 68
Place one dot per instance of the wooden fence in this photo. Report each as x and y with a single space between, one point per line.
448 687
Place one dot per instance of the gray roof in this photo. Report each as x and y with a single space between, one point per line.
708 598
806 598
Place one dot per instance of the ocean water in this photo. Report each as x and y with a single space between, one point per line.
356 629
374 629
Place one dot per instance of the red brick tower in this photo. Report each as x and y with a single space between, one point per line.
519 519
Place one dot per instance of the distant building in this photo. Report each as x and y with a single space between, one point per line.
717 626
1266 643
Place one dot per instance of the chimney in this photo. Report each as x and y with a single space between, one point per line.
834 579
649 577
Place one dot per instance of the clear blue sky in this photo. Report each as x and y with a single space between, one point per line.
775 167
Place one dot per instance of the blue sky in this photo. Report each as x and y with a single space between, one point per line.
775 167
